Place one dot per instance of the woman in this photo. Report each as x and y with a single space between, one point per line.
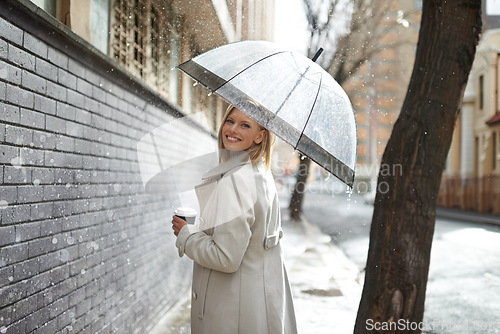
239 279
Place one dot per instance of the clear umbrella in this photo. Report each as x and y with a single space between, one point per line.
287 93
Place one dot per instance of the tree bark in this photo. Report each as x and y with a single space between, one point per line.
408 182
297 198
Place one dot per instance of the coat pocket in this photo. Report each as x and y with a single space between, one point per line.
202 296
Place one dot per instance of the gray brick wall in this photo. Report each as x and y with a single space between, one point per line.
82 247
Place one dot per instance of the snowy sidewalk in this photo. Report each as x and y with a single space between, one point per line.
325 284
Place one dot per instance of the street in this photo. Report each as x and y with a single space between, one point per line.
463 291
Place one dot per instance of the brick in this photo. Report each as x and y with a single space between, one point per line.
49 261
3 91
2 132
77 69
21 58
41 246
98 94
76 296
48 327
30 194
45 105
27 231
65 321
55 124
17 327
33 82
65 176
18 136
25 307
32 119
64 143
74 129
26 269
65 111
82 176
82 116
76 99
92 76
10 32
10 73
57 159
84 87
20 97
32 157
35 45
7 235
35 319
43 139
66 79
58 58
112 101
91 104
45 69
56 91
17 173
10 113
9 194
8 153
61 208
15 214
42 210
4 49
43 175
13 254
83 307
6 278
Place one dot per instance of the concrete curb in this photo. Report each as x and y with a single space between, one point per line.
467 216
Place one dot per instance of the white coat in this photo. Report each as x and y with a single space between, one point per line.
240 283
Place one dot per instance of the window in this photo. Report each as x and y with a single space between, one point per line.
145 39
494 148
47 5
99 24
481 92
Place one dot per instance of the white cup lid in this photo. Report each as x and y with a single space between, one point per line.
186 212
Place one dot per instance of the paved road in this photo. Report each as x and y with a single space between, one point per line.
463 292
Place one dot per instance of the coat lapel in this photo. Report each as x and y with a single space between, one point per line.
217 172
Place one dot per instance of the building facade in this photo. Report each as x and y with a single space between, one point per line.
83 247
378 90
471 180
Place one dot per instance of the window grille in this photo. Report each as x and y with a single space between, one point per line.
145 40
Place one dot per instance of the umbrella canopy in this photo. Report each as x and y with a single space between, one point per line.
288 94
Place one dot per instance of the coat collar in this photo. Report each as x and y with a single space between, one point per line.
240 159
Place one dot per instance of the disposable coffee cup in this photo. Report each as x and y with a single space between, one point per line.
188 214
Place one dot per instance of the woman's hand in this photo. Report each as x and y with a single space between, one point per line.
177 224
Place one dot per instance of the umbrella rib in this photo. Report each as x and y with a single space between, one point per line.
246 68
292 90
309 116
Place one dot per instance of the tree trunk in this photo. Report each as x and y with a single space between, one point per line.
297 198
408 182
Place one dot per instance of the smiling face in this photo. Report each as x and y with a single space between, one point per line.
239 132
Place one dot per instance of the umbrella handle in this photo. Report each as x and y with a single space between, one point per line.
318 53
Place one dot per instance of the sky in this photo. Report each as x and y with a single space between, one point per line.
290 25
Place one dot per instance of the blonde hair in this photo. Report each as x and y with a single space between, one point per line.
257 152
